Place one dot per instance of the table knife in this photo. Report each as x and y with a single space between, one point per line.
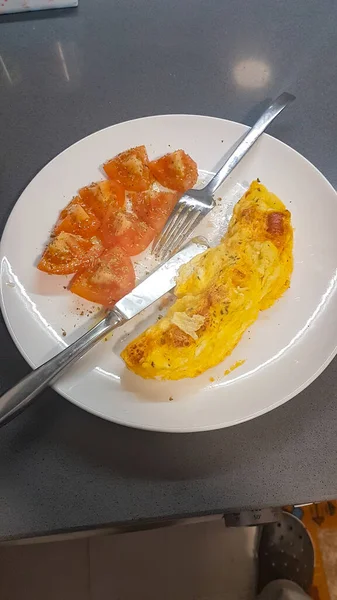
158 283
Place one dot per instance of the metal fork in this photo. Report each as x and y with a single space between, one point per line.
194 205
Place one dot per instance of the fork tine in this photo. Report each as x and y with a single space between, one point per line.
167 227
194 219
182 234
169 239
178 216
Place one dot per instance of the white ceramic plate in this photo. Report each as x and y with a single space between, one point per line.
288 346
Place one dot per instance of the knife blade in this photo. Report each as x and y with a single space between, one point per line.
161 281
158 283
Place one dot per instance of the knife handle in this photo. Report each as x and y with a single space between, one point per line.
22 394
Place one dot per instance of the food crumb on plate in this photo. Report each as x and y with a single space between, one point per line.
212 379
165 301
235 366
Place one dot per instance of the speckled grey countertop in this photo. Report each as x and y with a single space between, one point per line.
65 74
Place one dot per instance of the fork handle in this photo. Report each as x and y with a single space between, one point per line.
250 138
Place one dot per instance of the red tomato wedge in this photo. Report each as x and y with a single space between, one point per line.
98 197
67 253
154 207
130 169
77 218
176 171
126 231
107 280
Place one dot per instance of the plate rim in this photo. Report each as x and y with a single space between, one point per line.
121 421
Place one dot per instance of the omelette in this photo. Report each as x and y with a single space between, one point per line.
219 293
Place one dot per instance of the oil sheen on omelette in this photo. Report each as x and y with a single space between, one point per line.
220 292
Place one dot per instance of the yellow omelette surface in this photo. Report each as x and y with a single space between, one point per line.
220 292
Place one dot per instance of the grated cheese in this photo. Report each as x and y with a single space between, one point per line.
187 324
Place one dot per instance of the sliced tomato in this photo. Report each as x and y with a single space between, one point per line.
67 253
154 207
176 171
126 231
107 280
131 169
98 197
77 218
